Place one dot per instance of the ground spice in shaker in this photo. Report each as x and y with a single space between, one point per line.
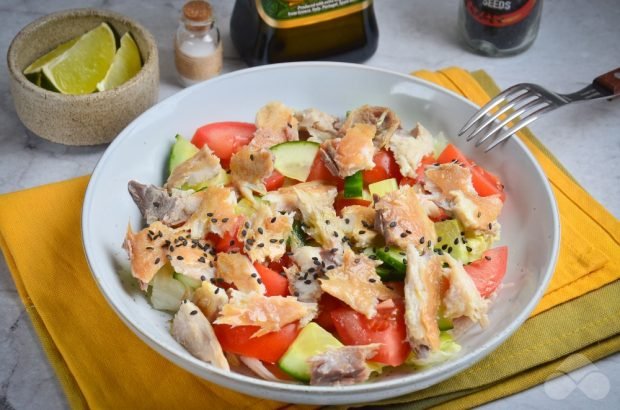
197 45
500 27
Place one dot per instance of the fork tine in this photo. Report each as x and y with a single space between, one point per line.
514 103
521 124
536 103
491 104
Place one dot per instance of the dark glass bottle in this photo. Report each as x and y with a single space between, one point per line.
499 27
274 31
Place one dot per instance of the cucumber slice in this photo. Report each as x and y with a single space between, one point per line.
221 179
167 292
294 159
444 324
312 340
389 274
383 187
297 237
190 283
354 185
394 258
181 151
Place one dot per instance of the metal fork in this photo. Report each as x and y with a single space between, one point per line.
528 102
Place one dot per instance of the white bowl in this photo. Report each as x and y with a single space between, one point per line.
529 221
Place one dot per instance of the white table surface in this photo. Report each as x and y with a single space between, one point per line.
578 40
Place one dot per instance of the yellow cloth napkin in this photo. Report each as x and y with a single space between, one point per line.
102 364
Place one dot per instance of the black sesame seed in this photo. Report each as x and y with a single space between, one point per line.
214 220
224 220
232 242
149 248
250 241
392 224
330 267
428 244
373 257
217 290
193 312
202 260
479 214
295 293
386 249
438 239
156 204
403 235
248 247
273 240
273 219
251 157
244 232
281 241
445 246
211 264
487 258
335 234
357 260
151 232
327 222
179 258
254 275
247 225
307 281
490 225
421 240
157 261
317 263
209 214
469 249
203 277
362 232
439 252
212 280
260 230
372 280
259 281
445 265
261 245
346 220
449 249
333 250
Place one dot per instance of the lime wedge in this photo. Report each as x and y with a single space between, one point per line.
125 65
81 67
41 61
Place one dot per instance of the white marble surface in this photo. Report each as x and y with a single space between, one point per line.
578 40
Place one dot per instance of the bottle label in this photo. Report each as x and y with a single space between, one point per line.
499 13
296 13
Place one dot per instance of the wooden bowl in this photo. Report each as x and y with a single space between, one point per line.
88 119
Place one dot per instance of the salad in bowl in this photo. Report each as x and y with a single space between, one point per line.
312 248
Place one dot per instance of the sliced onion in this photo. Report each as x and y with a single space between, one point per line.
258 367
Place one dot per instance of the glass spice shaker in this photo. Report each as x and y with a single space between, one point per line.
499 27
197 45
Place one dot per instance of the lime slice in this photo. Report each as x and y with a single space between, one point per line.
41 61
125 65
80 68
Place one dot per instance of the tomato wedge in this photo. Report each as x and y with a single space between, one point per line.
320 172
274 181
228 241
488 271
327 304
275 284
224 138
341 202
269 347
485 183
385 167
387 328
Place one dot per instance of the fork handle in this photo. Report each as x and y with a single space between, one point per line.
610 81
